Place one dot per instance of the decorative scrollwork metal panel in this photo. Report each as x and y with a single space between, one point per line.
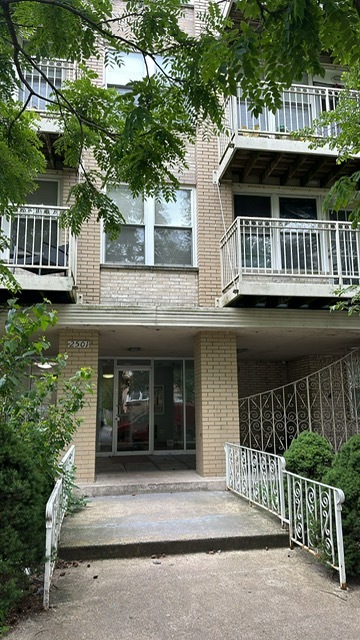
255 475
315 519
326 402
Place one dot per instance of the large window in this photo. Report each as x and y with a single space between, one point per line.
156 232
121 72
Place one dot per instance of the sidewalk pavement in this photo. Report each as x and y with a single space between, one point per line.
240 595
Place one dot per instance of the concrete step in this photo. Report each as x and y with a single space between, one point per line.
129 484
167 523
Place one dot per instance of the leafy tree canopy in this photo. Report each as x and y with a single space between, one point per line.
139 136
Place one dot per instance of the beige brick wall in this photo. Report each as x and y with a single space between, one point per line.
214 216
216 389
85 438
140 287
95 288
309 364
256 377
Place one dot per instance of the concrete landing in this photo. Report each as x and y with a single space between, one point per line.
126 475
167 523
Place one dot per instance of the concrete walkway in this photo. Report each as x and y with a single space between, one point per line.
256 595
146 524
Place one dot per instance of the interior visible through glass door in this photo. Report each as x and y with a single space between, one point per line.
133 410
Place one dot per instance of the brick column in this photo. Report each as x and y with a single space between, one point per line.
217 405
85 438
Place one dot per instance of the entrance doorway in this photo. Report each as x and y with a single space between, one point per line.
145 407
132 431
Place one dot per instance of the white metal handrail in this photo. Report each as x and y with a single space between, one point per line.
256 475
51 73
300 107
311 510
326 402
323 250
54 515
37 241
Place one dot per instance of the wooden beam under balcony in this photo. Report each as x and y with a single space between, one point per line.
293 169
250 165
333 175
313 171
271 167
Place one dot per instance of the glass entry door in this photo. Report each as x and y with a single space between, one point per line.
132 419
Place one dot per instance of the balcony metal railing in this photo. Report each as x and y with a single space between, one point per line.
326 402
52 73
301 105
327 252
37 243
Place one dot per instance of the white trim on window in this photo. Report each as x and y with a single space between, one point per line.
275 193
150 227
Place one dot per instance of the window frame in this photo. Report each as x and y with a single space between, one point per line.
150 226
275 194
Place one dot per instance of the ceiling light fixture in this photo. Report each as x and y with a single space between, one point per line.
45 365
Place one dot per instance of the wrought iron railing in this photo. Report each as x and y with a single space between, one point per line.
256 475
323 252
300 107
326 402
311 510
54 515
49 75
38 243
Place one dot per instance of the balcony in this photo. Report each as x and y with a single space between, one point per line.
267 257
41 254
51 74
262 149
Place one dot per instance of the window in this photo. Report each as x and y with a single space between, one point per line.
156 232
277 232
121 71
131 68
252 206
275 206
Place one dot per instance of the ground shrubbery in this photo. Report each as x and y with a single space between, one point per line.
345 474
309 455
24 490
33 433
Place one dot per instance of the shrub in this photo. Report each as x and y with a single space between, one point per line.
24 490
309 455
345 474
33 433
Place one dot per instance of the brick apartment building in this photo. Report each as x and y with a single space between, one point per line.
218 296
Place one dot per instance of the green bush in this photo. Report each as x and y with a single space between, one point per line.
33 434
345 474
309 455
24 491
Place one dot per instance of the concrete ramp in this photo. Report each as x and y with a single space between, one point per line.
167 523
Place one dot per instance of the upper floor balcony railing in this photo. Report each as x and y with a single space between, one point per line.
50 74
269 256
300 106
41 254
